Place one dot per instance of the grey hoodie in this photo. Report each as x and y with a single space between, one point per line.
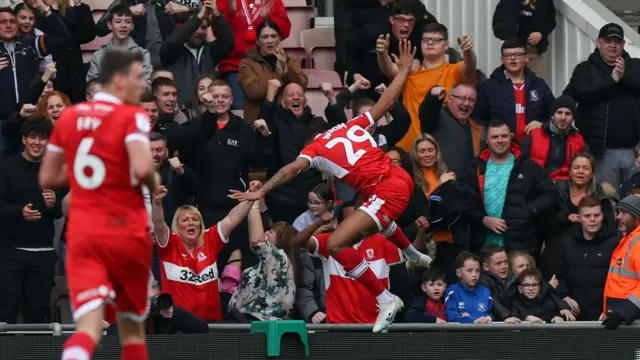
94 66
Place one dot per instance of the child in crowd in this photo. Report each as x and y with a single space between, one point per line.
429 308
496 277
466 301
519 261
537 303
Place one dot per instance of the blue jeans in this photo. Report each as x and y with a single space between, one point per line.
231 78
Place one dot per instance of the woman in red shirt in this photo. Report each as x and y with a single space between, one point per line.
244 16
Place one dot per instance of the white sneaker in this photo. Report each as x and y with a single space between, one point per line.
424 261
386 313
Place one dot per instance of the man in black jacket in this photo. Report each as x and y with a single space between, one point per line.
188 55
452 121
221 159
511 192
401 20
20 57
290 123
514 93
27 257
531 21
583 261
607 89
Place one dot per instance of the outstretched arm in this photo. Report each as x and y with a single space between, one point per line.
283 175
390 95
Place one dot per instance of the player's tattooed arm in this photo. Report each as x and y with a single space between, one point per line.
283 175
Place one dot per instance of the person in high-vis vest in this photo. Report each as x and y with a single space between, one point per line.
622 288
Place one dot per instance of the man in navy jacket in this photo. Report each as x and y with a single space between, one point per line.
514 93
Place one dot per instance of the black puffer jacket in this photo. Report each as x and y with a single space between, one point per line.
288 134
220 158
502 293
546 306
582 269
600 99
530 193
557 225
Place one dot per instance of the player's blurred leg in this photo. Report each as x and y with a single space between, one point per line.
415 258
132 339
88 332
339 246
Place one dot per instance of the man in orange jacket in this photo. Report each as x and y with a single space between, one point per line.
622 289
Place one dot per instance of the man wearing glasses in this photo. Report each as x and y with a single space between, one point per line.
514 93
451 125
434 70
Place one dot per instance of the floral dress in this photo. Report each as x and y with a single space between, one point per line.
267 290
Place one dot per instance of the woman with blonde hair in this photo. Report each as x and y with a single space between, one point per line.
188 254
430 172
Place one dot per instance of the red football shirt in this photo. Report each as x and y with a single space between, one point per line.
192 278
107 198
348 152
521 103
349 302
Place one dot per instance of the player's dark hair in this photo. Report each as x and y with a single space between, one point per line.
464 256
339 212
436 28
405 160
434 274
268 24
404 7
513 43
324 192
148 97
120 10
487 252
162 81
311 133
530 272
154 136
36 125
117 62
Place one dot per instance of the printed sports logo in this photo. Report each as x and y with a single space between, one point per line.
185 275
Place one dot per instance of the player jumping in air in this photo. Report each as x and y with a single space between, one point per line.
348 152
102 149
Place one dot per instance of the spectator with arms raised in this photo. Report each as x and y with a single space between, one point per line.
433 70
265 62
188 254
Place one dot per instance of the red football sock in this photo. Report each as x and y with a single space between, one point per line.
397 237
80 346
134 352
355 265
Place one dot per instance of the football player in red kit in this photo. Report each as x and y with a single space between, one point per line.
101 148
348 152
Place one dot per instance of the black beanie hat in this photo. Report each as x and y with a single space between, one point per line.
564 101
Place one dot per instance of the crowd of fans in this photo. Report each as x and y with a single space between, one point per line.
515 190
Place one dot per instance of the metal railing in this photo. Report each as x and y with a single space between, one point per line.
57 329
